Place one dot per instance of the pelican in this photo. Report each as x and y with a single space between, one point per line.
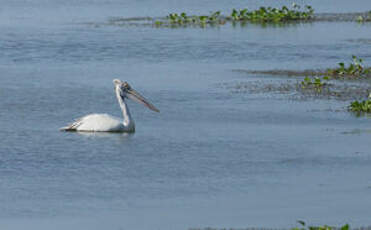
107 123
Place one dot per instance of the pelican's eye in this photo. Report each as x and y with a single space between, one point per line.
126 86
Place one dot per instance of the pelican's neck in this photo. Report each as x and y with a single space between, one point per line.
128 121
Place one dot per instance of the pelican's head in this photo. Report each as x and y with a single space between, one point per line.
124 90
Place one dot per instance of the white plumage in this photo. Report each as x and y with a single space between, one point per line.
100 123
107 123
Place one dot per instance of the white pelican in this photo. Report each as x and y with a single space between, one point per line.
106 123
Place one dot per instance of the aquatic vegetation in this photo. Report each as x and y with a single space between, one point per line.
360 106
314 83
183 19
364 18
355 69
324 227
159 23
261 15
269 14
265 16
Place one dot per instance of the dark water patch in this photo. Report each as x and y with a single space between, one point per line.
261 228
340 17
339 160
330 72
123 21
209 228
131 19
260 86
278 72
330 110
338 91
356 131
360 40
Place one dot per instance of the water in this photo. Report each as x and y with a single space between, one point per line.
212 157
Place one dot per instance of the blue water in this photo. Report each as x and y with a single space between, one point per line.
211 157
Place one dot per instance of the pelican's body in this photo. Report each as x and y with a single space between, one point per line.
100 123
108 123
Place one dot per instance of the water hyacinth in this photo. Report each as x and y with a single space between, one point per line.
184 19
360 106
261 15
324 227
364 18
314 83
353 70
269 14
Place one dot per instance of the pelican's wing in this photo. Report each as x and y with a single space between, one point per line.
73 126
97 123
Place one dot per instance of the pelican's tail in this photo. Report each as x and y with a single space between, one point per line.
73 126
67 128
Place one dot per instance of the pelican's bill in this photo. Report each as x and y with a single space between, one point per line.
135 96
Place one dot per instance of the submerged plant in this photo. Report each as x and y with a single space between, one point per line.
354 69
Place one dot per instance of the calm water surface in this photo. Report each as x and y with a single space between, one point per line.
211 157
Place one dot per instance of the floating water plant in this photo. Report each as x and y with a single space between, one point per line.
159 23
364 18
261 15
315 83
360 106
353 70
269 14
183 19
324 227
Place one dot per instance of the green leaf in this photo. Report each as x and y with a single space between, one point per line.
302 223
317 81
